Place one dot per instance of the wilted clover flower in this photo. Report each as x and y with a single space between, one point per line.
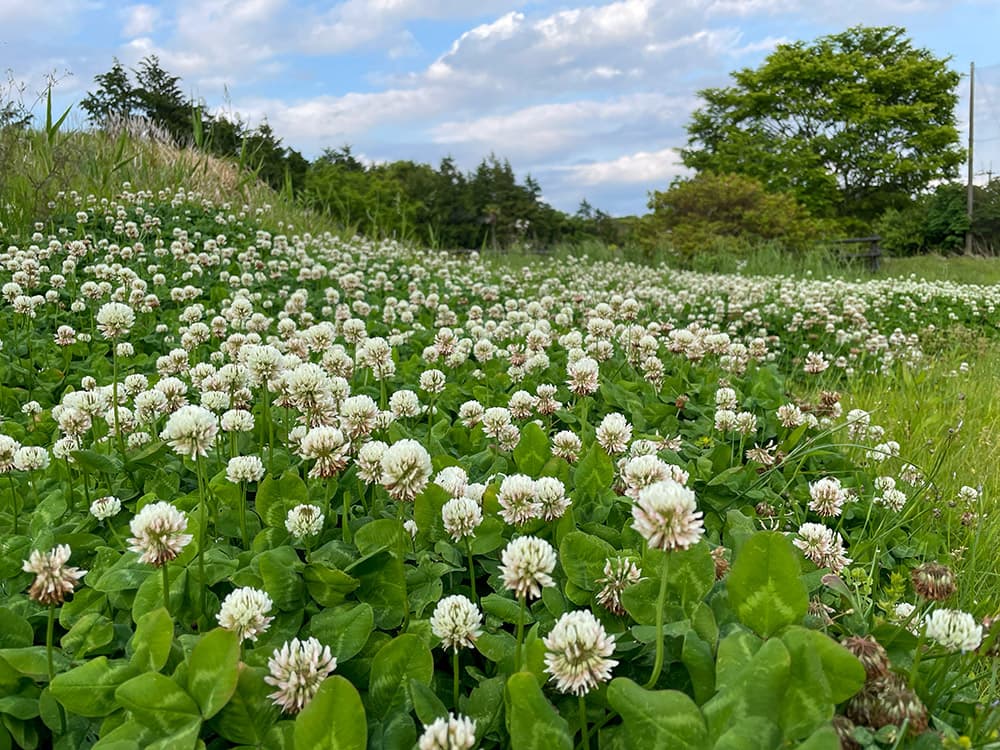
827 497
933 581
158 533
304 521
527 565
53 578
870 653
667 517
241 469
298 668
191 431
461 516
577 652
451 733
105 507
953 629
406 469
244 612
115 319
619 574
457 622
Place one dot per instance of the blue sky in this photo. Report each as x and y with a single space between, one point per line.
590 99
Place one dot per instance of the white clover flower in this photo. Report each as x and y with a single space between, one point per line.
406 469
241 469
411 528
105 507
577 652
614 433
517 499
453 480
432 381
244 612
369 461
31 458
822 545
457 622
237 420
304 521
551 496
827 497
666 515
461 516
527 565
451 733
404 403
191 431
329 447
892 498
725 398
8 449
954 630
53 578
619 574
115 319
567 445
298 668
158 533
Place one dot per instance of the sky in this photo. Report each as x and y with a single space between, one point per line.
591 100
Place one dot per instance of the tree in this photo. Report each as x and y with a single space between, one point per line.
161 100
713 210
114 98
851 124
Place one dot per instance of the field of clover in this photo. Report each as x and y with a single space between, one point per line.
263 489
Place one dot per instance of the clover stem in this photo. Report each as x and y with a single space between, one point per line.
658 663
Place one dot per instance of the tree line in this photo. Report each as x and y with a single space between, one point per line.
441 206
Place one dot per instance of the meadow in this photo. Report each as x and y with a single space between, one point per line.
264 486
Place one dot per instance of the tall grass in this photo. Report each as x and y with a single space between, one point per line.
938 413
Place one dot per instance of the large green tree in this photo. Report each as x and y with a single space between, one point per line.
851 123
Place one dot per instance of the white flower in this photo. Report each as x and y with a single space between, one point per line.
457 622
369 461
577 652
8 448
298 668
330 449
31 458
954 630
614 433
406 469
105 507
304 520
53 578
453 480
827 497
823 546
517 500
115 319
242 469
461 516
244 612
665 514
527 565
451 733
404 403
158 533
551 496
191 431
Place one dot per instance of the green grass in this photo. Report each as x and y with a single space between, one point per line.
942 416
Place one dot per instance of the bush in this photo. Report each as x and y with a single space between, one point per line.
730 211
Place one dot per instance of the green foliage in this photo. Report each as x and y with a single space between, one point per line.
850 124
724 211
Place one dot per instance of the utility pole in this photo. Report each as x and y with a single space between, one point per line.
972 120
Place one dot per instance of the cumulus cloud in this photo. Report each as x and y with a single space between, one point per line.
139 19
642 167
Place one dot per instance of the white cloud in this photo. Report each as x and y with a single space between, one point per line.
139 20
642 167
